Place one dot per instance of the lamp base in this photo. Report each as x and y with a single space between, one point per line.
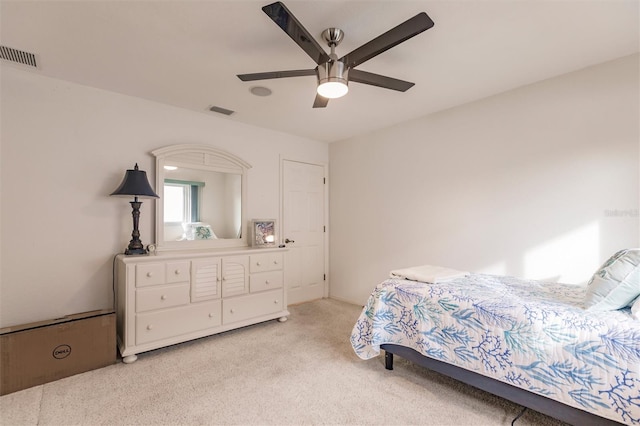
130 251
135 245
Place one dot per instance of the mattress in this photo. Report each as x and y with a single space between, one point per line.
530 334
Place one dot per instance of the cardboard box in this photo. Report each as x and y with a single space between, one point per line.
41 352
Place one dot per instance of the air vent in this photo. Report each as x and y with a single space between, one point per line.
221 110
18 56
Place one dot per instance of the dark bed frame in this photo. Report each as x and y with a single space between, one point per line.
519 396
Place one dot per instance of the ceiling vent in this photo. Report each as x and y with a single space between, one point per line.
221 110
18 56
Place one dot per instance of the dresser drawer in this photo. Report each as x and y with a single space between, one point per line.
160 297
265 281
253 305
149 274
174 322
265 262
177 272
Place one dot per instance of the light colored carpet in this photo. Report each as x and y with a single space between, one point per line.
300 372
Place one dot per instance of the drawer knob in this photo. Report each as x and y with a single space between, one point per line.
257 263
149 327
149 274
275 301
163 297
275 262
211 315
266 282
230 311
177 272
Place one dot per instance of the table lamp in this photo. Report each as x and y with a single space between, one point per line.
135 183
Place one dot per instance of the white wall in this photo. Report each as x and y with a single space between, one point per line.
540 182
65 148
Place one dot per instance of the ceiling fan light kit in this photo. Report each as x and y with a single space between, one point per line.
333 72
333 80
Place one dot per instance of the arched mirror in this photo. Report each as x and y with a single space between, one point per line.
202 197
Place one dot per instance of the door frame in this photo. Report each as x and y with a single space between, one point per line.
325 168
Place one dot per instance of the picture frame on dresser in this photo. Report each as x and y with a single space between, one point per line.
263 233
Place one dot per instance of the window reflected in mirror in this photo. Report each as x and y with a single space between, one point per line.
181 201
201 204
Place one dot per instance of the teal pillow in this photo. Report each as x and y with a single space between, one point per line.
635 309
616 284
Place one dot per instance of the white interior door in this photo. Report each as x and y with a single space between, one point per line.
304 230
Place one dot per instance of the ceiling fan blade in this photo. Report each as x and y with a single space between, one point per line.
379 80
276 74
279 13
409 28
320 102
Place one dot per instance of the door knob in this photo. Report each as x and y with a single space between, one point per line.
288 241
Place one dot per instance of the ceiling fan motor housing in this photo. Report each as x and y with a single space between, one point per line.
333 71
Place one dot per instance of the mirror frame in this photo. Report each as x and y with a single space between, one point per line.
202 157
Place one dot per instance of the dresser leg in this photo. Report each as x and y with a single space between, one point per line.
282 319
129 359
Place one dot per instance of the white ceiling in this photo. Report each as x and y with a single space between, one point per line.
187 53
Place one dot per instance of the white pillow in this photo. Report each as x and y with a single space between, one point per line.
616 284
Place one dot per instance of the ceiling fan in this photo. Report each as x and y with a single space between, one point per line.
334 74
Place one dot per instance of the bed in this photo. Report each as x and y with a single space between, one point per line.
530 342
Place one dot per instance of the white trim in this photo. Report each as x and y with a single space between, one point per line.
194 148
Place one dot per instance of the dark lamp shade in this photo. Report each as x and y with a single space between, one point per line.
135 182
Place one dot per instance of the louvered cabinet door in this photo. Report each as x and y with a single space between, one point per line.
235 275
205 279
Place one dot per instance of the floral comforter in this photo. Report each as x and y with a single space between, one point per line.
530 334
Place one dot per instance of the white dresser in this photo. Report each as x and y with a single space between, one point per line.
172 297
